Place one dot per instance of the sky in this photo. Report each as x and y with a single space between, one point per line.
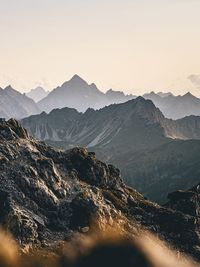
132 45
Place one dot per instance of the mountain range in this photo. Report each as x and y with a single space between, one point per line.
156 154
175 107
48 195
77 93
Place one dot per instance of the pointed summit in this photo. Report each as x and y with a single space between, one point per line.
188 95
9 87
10 90
140 99
77 79
95 89
152 93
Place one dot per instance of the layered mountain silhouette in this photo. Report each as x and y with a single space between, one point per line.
175 107
77 93
152 151
47 195
16 105
37 93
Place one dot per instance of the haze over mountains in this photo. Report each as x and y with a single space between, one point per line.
77 93
37 93
16 105
175 107
135 136
130 134
50 193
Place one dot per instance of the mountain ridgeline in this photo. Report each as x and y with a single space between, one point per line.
152 151
48 195
77 93
175 107
16 105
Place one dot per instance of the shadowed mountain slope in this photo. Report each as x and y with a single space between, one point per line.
151 151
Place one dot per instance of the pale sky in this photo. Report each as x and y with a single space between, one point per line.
132 45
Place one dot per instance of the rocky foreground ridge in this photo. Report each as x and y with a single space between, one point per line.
46 195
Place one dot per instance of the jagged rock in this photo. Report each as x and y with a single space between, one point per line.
47 194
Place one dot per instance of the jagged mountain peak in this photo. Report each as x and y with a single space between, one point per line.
145 104
112 92
10 88
77 93
94 87
152 93
163 94
139 99
13 92
77 79
189 95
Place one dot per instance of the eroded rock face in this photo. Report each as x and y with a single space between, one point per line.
47 194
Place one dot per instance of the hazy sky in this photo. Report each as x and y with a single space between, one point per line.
134 45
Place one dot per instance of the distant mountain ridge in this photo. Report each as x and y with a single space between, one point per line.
16 105
100 127
77 93
175 107
130 135
37 93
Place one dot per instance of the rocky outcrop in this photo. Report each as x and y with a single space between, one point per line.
46 195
